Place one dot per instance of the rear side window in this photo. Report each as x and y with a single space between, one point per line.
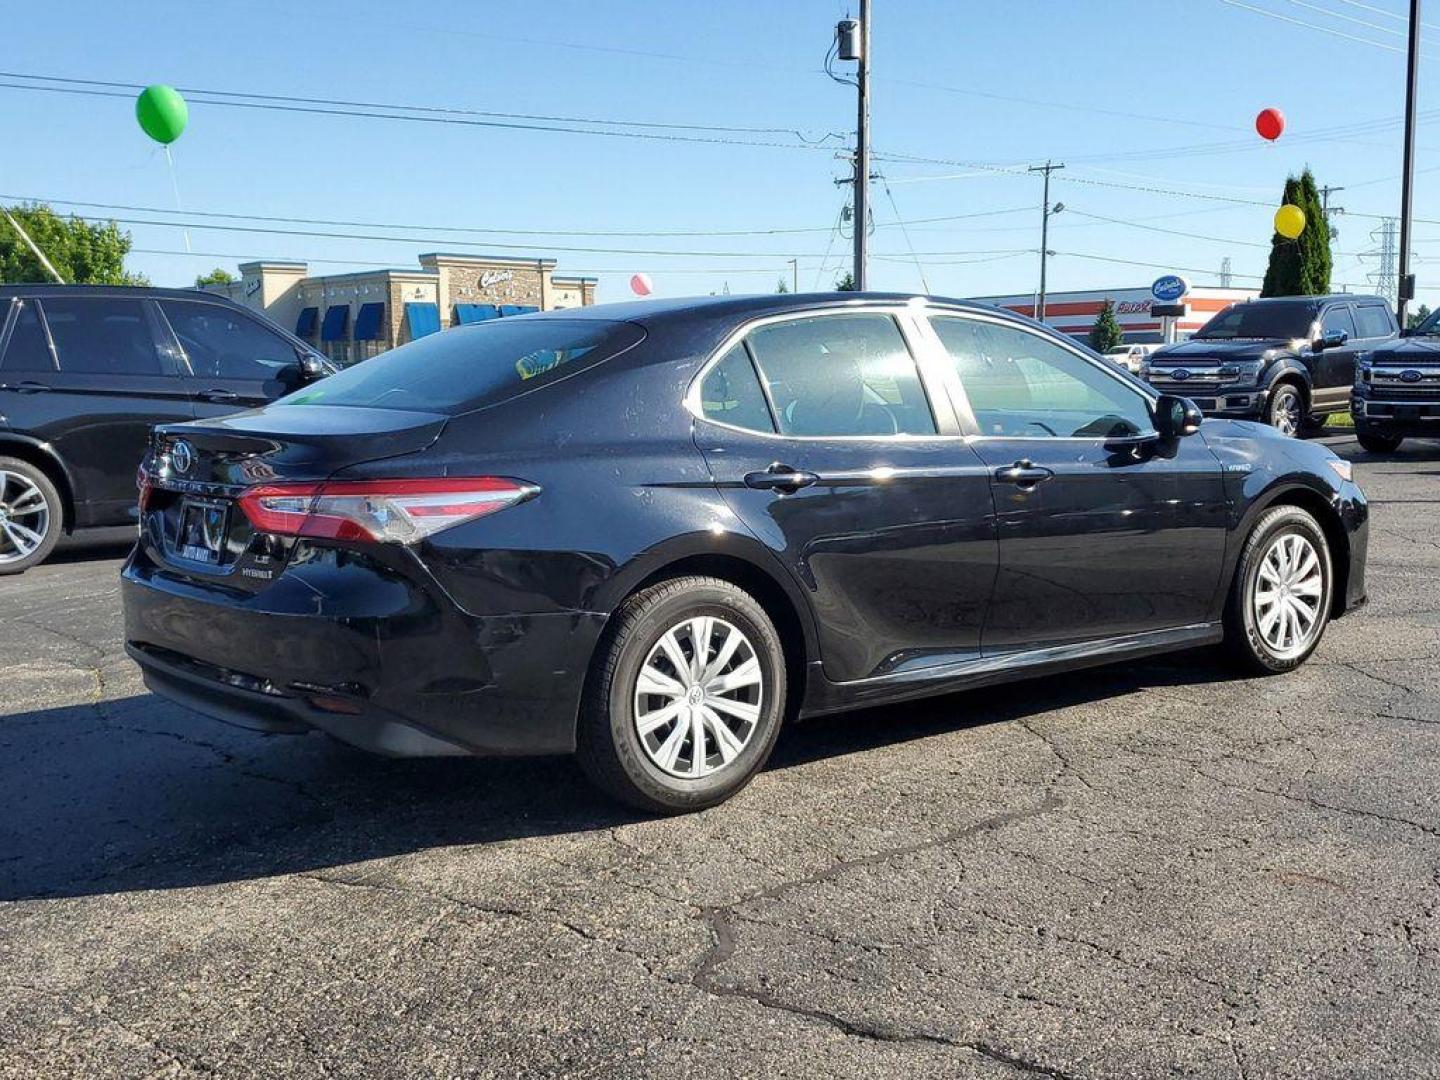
1338 318
469 367
28 350
1372 321
222 343
730 393
102 337
842 375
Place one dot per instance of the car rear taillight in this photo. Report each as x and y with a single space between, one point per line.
382 511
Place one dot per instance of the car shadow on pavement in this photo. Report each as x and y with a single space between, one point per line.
137 794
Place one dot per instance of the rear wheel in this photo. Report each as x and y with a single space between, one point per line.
1280 601
1286 409
684 703
1380 444
30 516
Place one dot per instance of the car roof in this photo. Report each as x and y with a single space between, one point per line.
43 289
652 312
1323 299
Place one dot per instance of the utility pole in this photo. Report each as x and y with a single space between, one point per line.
1405 291
1326 210
1045 211
862 147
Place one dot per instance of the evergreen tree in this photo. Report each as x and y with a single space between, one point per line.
780 286
1415 318
1106 333
1301 267
845 282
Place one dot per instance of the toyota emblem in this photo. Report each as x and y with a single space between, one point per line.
1411 375
182 456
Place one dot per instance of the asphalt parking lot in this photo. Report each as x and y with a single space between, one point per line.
1140 871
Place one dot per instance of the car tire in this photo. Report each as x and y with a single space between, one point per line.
626 743
31 516
1285 411
1379 444
1284 574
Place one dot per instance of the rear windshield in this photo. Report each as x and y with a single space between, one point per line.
1260 321
469 367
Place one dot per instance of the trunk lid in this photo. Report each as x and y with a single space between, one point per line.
192 523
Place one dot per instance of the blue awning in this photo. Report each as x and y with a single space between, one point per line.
422 319
305 325
517 309
473 313
367 323
337 319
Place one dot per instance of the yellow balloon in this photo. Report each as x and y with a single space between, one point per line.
1290 221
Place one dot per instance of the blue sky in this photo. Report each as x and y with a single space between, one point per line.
1128 94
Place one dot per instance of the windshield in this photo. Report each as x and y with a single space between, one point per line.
1292 320
468 367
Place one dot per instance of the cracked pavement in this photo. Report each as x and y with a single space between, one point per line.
1151 869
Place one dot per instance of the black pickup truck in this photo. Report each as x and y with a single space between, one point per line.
1397 390
1287 361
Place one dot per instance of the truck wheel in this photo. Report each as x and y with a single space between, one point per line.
1380 444
1286 409
31 516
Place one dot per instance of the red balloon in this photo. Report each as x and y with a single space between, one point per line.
1270 124
640 285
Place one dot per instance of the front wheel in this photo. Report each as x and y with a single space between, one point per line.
685 700
1379 444
1280 601
30 516
1286 409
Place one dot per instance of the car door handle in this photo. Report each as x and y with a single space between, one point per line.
778 477
219 397
1023 474
29 387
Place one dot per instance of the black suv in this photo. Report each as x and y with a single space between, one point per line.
1397 390
85 370
1288 361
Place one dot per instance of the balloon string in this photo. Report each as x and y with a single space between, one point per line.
175 184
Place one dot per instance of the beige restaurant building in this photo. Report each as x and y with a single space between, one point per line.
349 317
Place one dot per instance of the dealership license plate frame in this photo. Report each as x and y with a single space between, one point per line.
210 530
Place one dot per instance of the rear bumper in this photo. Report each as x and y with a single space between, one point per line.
384 663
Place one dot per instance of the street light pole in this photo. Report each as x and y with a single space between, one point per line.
862 148
1045 212
1406 291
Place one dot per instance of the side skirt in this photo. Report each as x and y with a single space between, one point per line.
825 696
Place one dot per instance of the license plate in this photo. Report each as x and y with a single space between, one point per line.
202 531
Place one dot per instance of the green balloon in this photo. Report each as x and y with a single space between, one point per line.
162 113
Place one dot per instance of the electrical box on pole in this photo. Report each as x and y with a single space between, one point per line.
849 40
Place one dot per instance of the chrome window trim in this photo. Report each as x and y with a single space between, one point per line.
941 407
961 400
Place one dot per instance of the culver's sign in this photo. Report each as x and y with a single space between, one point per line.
1169 288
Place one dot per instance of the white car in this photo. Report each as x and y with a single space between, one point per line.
1130 357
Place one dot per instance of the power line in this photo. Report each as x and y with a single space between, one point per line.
1311 26
494 231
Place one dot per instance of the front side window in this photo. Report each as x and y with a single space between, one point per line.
730 393
1338 318
221 343
841 375
1022 386
28 350
96 336
1373 321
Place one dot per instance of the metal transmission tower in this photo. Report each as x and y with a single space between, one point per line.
1225 275
1384 278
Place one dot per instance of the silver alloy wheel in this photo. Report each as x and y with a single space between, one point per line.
1285 416
698 697
24 516
1288 597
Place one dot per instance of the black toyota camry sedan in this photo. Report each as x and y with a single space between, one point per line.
648 533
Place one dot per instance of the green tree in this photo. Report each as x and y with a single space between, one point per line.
780 286
1106 333
83 252
1419 315
218 276
1301 267
845 282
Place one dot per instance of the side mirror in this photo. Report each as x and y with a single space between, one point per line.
1176 416
1330 340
